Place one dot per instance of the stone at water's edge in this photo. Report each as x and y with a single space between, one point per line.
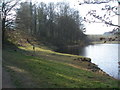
83 59
119 62
91 66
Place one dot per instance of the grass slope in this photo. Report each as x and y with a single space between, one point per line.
45 68
48 69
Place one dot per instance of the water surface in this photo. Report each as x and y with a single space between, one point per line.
105 56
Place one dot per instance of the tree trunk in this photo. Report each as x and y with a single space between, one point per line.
3 30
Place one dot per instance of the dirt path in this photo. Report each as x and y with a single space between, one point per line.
6 79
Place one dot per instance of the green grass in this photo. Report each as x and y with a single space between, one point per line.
48 69
38 71
45 50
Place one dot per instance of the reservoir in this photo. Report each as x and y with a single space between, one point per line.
105 56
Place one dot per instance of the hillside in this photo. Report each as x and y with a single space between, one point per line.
44 68
99 39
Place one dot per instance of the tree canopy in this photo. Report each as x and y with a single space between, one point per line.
60 27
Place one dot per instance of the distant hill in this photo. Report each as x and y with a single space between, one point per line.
113 32
108 38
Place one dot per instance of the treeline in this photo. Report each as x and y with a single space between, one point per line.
57 24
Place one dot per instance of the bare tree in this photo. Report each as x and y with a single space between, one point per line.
111 11
7 17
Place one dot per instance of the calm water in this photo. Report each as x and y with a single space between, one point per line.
105 56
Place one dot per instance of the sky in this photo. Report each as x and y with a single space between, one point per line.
91 28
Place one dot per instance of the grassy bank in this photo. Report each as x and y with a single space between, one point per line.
47 69
105 42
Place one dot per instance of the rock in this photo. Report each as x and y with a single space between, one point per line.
83 59
95 67
89 60
86 59
119 63
118 66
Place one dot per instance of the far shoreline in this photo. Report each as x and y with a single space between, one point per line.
107 42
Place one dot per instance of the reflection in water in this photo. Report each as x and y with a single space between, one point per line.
104 55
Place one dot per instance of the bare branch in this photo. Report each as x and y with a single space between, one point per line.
12 7
9 23
96 2
8 2
101 19
111 11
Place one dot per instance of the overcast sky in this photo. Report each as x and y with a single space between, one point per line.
91 28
